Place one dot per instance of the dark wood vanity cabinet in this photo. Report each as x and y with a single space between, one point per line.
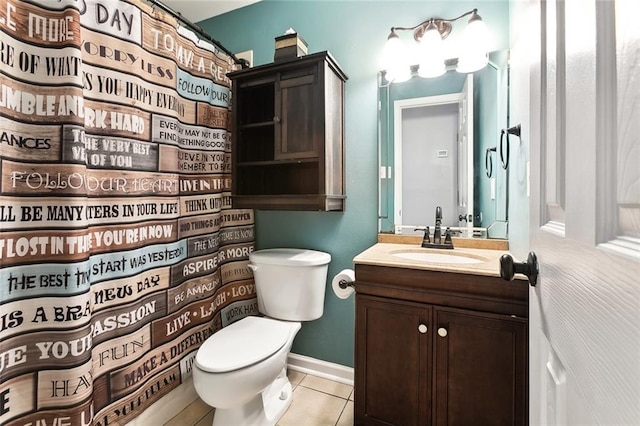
437 348
393 362
288 135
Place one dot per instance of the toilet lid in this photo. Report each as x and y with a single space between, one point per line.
242 343
289 257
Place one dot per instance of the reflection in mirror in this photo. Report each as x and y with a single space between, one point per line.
433 139
424 159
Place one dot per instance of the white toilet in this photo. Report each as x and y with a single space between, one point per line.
241 370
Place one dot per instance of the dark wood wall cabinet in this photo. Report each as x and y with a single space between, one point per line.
436 348
288 135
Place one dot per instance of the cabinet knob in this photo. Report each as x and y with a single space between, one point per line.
276 119
442 332
422 328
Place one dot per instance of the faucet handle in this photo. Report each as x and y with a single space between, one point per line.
427 235
447 236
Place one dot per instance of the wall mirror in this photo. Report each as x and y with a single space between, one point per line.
438 142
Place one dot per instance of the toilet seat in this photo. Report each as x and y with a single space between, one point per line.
243 343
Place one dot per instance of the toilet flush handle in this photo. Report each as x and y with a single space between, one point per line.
252 267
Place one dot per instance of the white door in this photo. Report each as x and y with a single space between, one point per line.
580 63
426 145
428 166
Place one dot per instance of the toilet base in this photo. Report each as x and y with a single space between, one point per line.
265 409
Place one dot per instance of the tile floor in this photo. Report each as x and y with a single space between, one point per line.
316 402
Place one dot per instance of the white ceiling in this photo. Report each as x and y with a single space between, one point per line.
199 10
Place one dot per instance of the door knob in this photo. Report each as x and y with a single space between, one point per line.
529 268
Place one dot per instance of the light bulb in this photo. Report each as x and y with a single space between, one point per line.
474 46
395 59
398 74
431 53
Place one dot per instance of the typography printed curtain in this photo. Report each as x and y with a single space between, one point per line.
119 250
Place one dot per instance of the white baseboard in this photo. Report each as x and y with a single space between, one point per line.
316 367
168 406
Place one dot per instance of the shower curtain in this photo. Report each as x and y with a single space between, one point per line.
119 250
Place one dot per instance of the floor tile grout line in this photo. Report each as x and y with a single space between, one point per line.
326 393
202 418
341 412
205 415
186 408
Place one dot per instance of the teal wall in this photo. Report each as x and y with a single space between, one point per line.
354 32
486 134
490 102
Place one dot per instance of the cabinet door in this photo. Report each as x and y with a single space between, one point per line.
393 358
480 369
297 104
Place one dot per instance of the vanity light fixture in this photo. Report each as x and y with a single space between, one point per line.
430 50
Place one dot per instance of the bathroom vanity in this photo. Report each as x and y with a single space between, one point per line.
439 340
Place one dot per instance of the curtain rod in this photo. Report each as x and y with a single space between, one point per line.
195 28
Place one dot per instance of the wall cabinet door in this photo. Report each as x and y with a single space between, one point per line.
297 133
393 356
480 368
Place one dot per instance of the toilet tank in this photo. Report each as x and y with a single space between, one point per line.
290 283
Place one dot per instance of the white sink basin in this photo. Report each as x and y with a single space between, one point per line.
432 257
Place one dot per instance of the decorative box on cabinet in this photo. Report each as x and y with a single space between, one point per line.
288 135
436 348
